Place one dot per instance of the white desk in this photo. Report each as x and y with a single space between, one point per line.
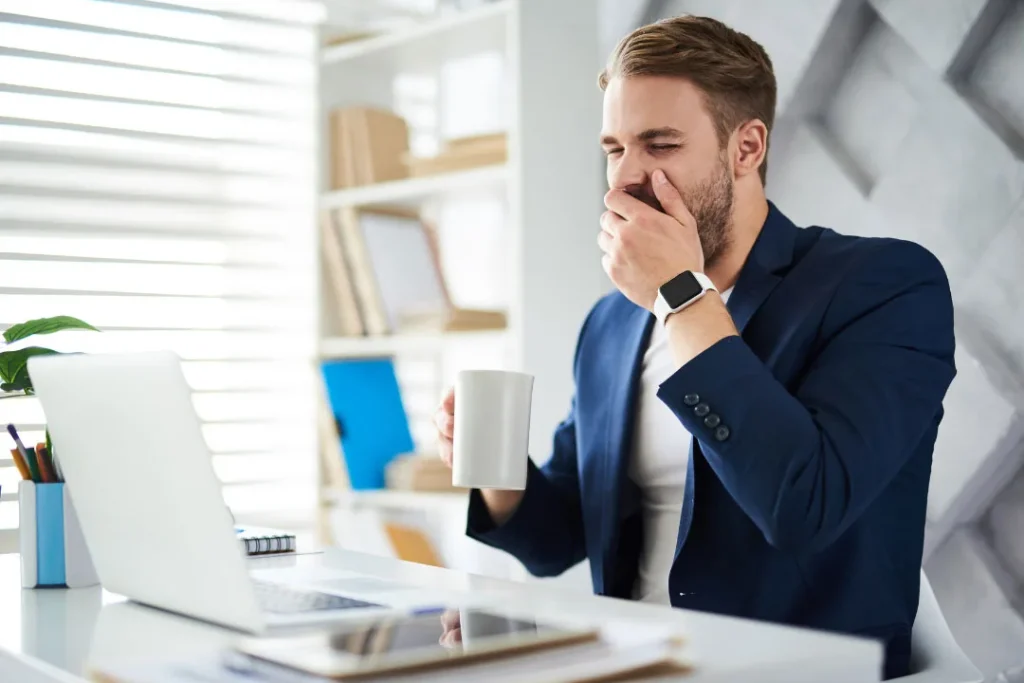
52 635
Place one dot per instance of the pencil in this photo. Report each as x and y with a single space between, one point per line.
19 462
45 467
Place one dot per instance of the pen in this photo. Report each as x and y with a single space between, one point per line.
57 471
30 459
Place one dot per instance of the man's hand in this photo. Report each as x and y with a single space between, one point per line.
644 248
501 504
451 622
444 420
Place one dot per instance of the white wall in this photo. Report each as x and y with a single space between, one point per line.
561 191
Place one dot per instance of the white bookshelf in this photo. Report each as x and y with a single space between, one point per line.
424 46
400 344
549 192
415 191
403 500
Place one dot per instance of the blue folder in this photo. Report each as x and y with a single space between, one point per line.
371 419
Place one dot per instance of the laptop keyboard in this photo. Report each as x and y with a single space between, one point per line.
280 599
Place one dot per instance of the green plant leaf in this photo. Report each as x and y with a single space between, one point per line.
45 326
14 367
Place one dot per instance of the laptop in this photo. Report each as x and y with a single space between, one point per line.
149 502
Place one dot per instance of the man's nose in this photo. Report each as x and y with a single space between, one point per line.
628 172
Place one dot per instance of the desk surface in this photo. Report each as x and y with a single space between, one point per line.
52 635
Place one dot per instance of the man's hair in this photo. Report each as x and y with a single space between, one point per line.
730 68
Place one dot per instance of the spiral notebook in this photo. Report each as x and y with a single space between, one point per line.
261 541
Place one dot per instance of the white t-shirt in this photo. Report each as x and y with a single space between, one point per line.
661 450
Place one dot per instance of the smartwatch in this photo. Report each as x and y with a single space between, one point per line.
681 291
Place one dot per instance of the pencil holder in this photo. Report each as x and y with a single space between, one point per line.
53 550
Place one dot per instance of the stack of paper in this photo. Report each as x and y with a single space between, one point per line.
596 662
626 652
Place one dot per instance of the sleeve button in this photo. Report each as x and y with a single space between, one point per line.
701 409
722 433
712 421
691 399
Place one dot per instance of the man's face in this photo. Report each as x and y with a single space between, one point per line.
653 122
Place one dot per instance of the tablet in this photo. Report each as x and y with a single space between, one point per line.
401 643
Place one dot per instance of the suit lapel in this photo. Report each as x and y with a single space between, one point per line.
772 253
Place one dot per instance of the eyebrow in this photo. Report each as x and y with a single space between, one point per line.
648 135
654 133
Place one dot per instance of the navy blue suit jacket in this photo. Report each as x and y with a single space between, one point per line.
805 498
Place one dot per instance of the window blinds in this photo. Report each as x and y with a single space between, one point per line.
158 179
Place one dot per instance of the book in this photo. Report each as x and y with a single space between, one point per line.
370 418
360 270
384 271
419 472
403 259
367 145
333 472
453 319
261 541
412 544
461 154
349 315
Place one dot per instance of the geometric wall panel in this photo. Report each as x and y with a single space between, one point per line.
994 297
953 184
1004 526
986 624
978 420
937 36
875 105
984 71
807 181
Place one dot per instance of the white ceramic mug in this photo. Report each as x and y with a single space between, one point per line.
492 429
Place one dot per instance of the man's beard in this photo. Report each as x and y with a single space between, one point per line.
710 202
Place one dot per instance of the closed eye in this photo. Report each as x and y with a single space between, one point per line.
663 147
610 151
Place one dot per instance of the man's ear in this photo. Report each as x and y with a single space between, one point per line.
751 141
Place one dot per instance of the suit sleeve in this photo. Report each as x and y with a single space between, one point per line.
805 465
545 532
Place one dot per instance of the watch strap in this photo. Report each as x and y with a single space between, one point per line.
704 281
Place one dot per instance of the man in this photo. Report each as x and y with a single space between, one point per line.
762 450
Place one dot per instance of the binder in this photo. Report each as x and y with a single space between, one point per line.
373 429
260 541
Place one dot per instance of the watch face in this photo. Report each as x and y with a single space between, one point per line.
681 289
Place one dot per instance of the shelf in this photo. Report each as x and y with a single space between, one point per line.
398 344
423 46
413 191
397 500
